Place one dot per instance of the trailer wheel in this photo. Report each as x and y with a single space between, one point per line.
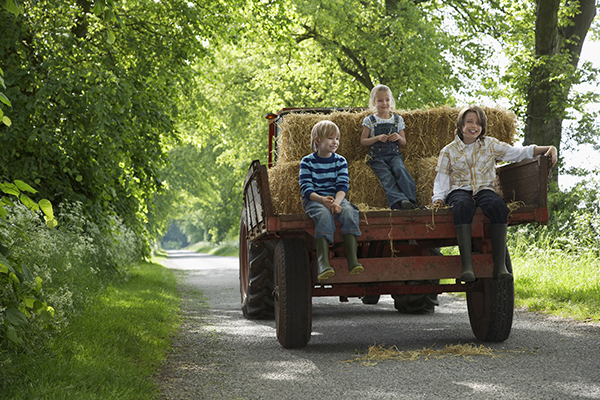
293 294
370 299
491 310
256 277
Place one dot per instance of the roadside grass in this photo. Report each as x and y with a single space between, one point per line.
111 350
556 282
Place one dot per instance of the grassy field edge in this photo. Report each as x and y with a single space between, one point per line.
112 349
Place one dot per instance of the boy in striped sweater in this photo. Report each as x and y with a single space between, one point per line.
324 182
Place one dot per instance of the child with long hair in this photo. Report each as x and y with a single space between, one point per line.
466 172
384 132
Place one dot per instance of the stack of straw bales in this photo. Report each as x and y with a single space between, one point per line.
427 132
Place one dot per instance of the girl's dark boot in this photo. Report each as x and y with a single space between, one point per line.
351 247
325 270
463 236
498 233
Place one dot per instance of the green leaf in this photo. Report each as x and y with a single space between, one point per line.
27 202
46 207
7 202
30 302
3 212
45 316
12 6
27 273
5 100
6 121
9 188
110 37
11 335
51 223
24 187
14 316
5 264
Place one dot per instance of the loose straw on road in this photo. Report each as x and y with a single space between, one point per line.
380 353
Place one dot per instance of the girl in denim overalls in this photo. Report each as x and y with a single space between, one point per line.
384 132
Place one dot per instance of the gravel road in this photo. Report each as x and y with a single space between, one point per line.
220 355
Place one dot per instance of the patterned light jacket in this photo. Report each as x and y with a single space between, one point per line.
473 166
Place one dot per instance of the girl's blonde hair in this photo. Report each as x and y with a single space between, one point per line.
323 130
460 122
373 97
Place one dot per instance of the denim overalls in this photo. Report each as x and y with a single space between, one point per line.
386 161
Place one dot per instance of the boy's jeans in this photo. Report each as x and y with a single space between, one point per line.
394 177
325 221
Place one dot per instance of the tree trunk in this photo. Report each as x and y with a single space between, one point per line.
547 98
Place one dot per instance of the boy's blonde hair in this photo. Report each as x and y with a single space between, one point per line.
322 130
460 121
373 100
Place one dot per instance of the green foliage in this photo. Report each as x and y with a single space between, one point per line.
109 351
94 89
574 225
21 298
67 265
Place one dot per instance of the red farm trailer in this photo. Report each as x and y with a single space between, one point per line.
399 250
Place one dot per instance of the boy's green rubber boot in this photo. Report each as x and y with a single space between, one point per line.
498 232
351 247
325 270
463 236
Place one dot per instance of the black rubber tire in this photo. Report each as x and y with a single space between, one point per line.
293 294
370 299
256 278
418 303
491 311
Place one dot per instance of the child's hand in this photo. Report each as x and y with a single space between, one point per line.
328 201
383 138
336 208
437 204
552 152
394 137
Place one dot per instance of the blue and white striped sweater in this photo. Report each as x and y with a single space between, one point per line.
324 176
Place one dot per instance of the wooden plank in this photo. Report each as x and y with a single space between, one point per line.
396 269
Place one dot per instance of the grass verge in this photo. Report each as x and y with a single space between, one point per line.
111 350
558 283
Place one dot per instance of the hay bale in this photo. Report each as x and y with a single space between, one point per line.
294 137
285 188
293 141
424 175
427 132
365 189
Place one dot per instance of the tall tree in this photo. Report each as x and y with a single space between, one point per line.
560 30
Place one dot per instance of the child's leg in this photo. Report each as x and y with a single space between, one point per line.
348 218
494 208
404 181
463 207
349 222
323 219
388 181
324 229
